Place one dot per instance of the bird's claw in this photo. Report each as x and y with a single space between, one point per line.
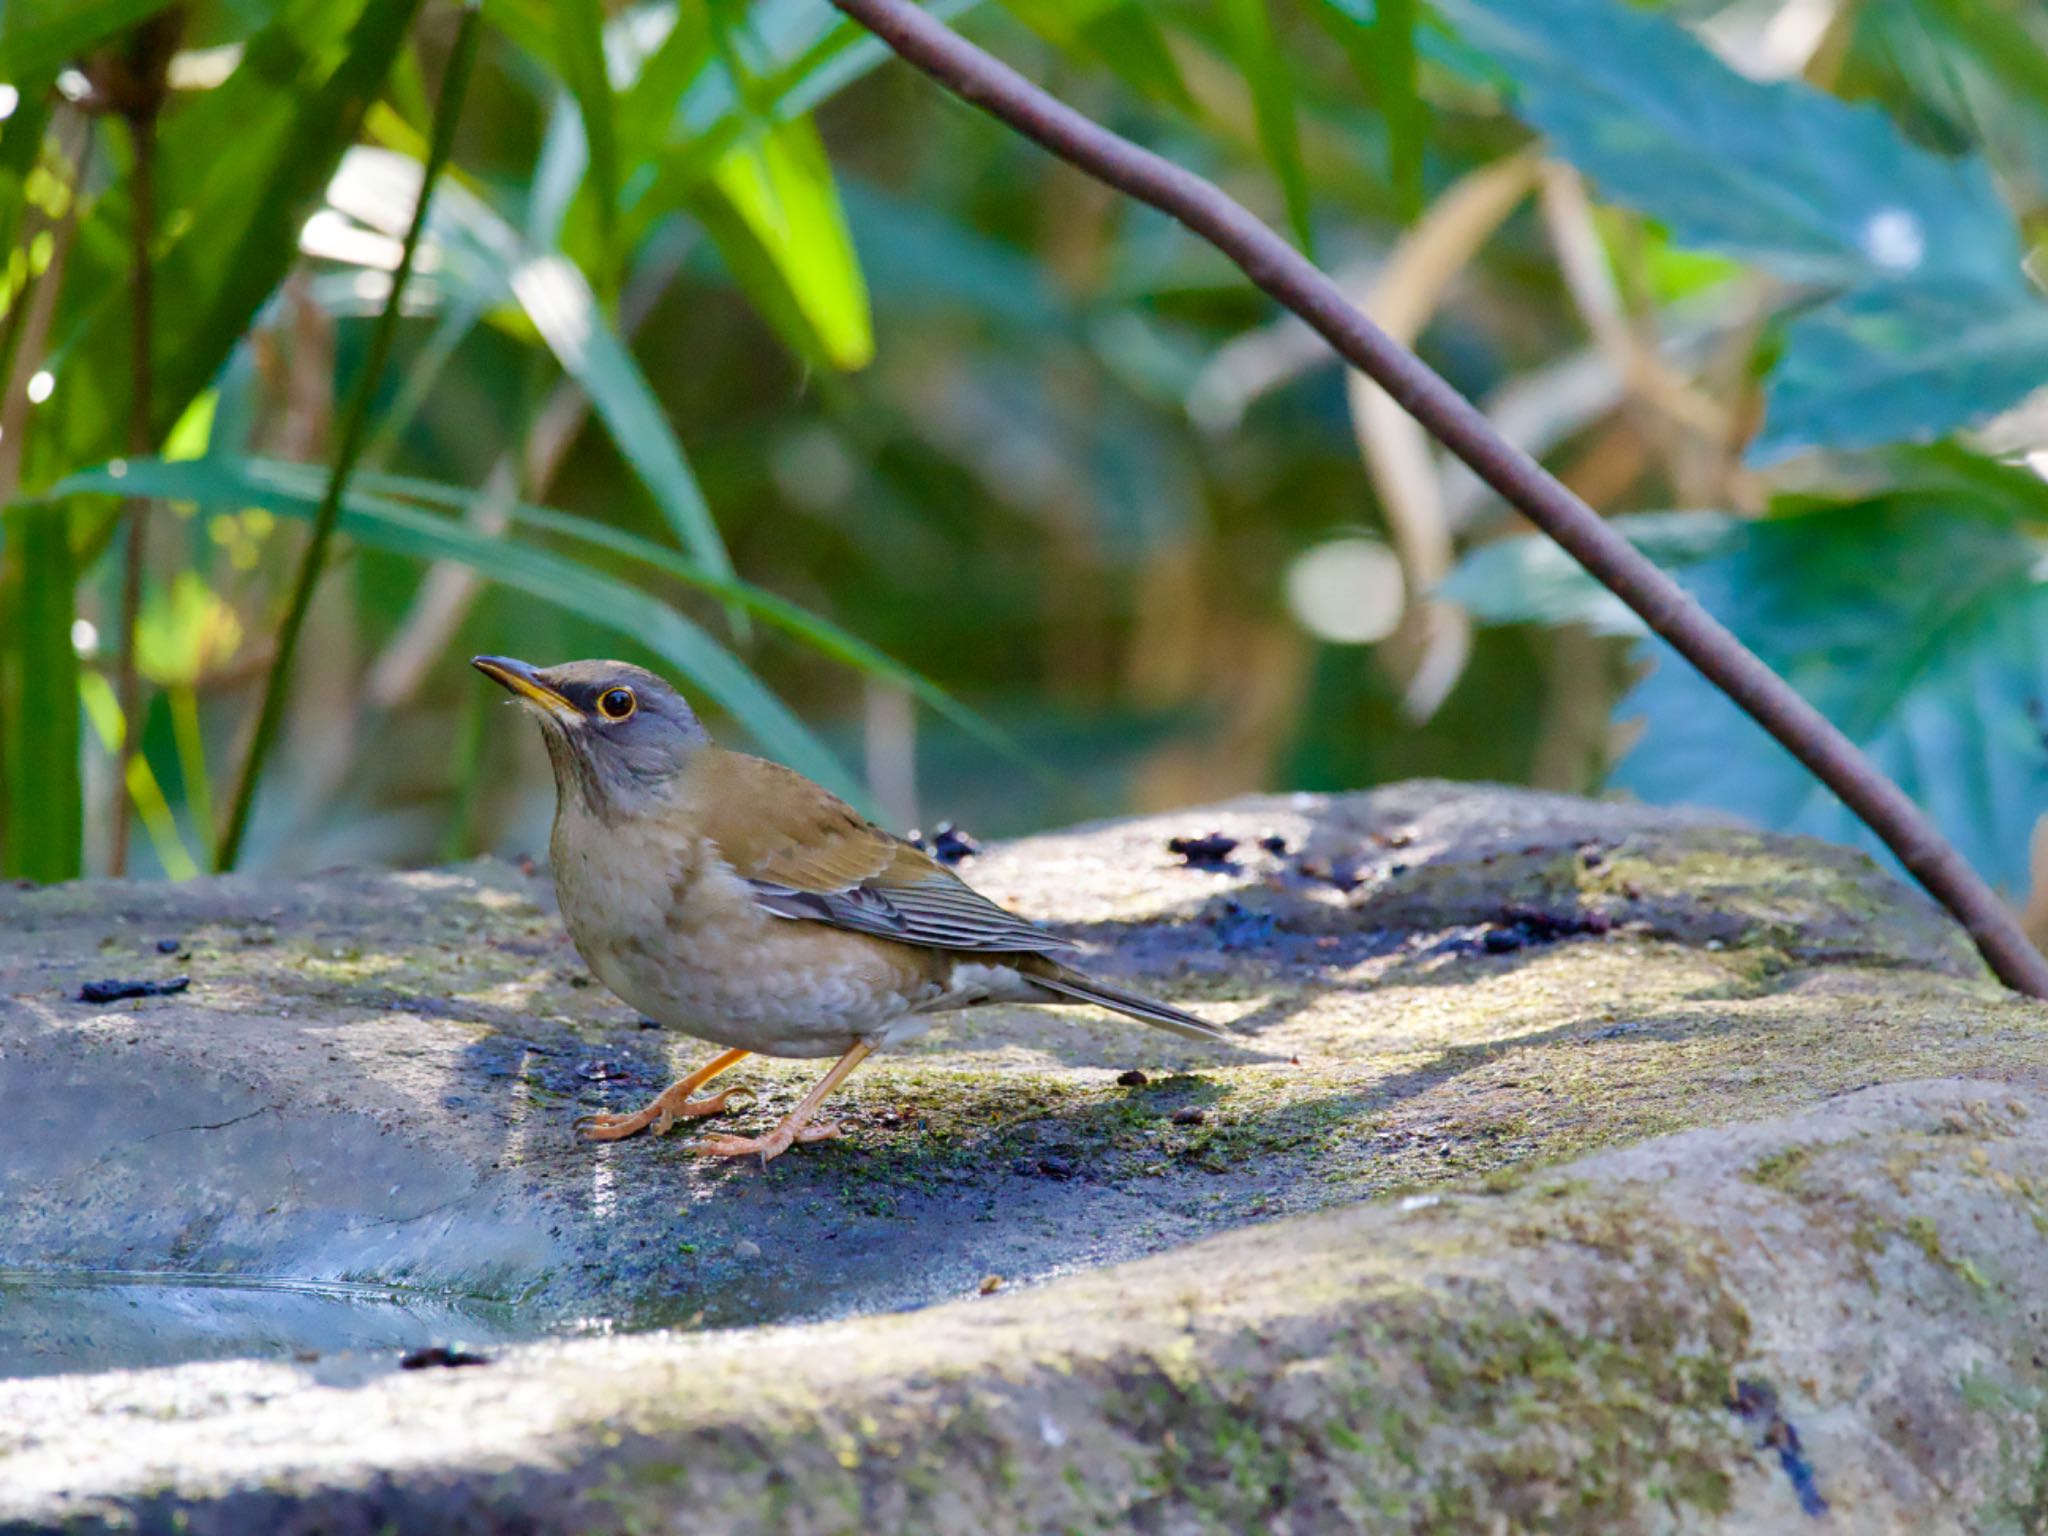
660 1117
773 1145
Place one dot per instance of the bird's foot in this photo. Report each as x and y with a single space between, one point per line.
774 1144
659 1116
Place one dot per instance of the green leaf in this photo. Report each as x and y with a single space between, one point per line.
811 53
382 522
778 224
579 53
1400 100
484 251
1944 682
554 295
1529 579
1937 327
38 37
1781 176
1272 91
39 710
1122 35
646 105
2000 40
1901 363
1380 42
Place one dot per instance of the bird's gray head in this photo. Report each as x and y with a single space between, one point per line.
616 734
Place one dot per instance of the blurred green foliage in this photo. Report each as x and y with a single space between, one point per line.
936 470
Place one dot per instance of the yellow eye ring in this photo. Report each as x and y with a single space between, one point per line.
617 704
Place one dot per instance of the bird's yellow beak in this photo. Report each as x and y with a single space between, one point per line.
522 682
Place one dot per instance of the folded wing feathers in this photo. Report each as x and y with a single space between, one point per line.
942 913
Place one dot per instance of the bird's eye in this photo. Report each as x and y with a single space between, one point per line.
617 704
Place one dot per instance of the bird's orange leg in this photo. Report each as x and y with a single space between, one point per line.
674 1104
793 1127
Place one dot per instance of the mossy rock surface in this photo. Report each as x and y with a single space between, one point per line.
1585 1167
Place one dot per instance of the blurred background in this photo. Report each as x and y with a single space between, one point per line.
734 349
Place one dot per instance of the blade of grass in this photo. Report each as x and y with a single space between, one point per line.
41 36
555 296
1401 100
45 805
469 763
644 105
138 778
483 250
379 523
292 490
579 54
146 59
354 430
192 769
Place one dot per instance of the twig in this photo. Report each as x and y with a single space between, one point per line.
134 84
1294 281
128 681
354 432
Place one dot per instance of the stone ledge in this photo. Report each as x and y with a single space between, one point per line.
1500 1287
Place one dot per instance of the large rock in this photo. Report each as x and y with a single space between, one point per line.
1501 1294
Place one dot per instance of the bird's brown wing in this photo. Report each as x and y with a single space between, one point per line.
809 855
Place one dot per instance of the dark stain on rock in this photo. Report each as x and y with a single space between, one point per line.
440 1355
1208 851
1756 1402
115 991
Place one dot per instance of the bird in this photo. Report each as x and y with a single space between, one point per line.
733 899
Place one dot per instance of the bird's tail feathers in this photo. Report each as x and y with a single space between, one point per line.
1068 982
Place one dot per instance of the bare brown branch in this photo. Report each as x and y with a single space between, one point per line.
1294 281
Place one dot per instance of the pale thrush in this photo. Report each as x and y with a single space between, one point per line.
733 899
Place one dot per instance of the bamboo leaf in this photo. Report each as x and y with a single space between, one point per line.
242 165
292 489
775 215
1124 36
556 298
579 53
383 522
145 793
1272 90
1400 103
812 53
483 251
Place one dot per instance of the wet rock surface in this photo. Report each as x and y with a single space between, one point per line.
349 1138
